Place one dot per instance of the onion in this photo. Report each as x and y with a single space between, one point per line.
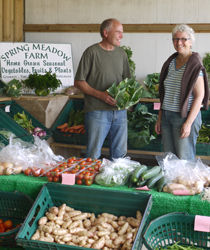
37 129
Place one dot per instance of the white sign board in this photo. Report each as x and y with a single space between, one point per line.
18 60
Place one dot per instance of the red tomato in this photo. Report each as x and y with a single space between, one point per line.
88 182
80 176
97 167
8 224
50 178
2 229
48 174
79 182
89 159
56 179
82 163
87 176
27 171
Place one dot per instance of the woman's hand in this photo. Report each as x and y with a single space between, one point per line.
157 127
185 130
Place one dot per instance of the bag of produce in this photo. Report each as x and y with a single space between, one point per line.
116 172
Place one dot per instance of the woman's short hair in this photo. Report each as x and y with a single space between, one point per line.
106 25
184 28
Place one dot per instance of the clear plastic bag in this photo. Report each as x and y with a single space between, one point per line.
190 175
116 172
29 155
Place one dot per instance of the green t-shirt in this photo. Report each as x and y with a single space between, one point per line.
100 69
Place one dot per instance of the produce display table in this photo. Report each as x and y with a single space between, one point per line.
162 203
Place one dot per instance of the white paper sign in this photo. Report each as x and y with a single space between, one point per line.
18 60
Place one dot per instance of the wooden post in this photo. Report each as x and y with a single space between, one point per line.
11 20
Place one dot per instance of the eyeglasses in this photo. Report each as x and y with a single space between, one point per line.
183 40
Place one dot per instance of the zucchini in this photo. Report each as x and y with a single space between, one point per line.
160 184
137 172
141 183
150 173
152 181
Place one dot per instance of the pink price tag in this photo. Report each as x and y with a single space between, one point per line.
156 106
181 192
68 179
202 223
144 188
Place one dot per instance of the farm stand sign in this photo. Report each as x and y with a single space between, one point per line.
18 60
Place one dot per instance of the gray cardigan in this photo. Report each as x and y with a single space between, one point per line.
193 68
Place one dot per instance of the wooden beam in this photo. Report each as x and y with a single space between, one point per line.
18 20
128 28
1 20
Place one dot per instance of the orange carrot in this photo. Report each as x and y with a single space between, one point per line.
63 125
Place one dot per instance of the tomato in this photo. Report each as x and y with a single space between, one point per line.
88 182
56 179
89 159
82 163
97 167
90 169
36 172
80 176
2 229
41 171
79 182
50 178
48 174
8 224
87 176
1 221
27 171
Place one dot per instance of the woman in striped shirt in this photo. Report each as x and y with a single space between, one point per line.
183 90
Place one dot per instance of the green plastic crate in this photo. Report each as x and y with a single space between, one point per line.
174 227
7 121
14 206
87 200
3 140
69 138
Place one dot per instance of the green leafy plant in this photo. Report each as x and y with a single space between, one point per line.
13 88
206 62
141 124
152 85
42 84
127 93
132 64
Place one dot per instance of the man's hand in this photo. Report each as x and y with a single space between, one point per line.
107 98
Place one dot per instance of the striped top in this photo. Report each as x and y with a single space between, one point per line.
172 86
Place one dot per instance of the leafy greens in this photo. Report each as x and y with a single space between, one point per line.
127 93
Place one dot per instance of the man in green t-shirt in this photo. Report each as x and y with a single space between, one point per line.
101 65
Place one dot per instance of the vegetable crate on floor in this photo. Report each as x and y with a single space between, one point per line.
69 138
14 206
92 200
7 111
168 229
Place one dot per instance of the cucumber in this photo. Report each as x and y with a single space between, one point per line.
160 184
150 173
141 183
137 172
152 181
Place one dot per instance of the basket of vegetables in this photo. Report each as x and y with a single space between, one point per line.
14 207
175 231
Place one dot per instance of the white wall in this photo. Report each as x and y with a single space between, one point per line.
149 49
